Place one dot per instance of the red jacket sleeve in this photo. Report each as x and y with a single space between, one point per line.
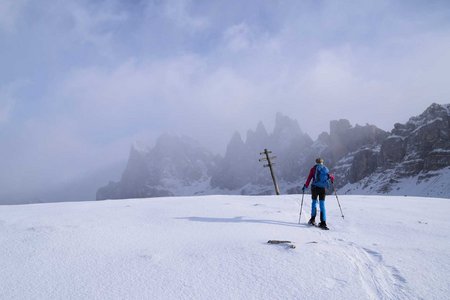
310 176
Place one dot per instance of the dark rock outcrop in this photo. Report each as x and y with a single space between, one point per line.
412 149
364 163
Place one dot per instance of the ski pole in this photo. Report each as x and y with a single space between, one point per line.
342 214
301 206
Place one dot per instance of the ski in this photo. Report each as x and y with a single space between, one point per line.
323 228
317 226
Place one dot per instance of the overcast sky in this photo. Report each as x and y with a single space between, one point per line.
81 80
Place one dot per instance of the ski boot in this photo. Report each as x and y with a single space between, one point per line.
312 221
323 225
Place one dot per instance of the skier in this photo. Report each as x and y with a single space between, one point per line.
321 178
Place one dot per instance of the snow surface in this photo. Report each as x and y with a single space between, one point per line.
215 247
429 184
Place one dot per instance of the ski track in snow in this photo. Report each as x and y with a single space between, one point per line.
379 280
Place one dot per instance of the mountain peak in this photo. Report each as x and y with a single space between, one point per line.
338 127
261 129
258 137
236 142
283 123
139 147
435 112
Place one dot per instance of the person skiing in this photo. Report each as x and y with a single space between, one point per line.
321 177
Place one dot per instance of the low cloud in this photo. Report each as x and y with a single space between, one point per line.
8 99
10 13
6 106
104 74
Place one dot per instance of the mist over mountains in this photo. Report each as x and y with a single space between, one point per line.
412 159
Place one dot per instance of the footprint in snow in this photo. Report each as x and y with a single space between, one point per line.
40 229
331 282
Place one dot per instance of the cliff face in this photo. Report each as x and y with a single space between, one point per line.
412 150
362 158
424 141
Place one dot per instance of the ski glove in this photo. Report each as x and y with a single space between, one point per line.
304 188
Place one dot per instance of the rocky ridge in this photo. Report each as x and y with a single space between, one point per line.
419 149
364 159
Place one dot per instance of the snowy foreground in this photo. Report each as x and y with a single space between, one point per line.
215 247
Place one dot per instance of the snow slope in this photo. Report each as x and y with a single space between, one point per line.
428 184
214 247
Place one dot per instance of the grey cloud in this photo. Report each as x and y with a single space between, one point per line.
10 12
103 74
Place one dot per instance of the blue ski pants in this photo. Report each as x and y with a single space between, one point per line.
323 214
318 192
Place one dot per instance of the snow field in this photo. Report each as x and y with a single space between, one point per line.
215 247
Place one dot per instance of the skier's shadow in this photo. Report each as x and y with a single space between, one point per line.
239 219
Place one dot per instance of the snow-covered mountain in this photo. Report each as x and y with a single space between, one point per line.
175 166
412 159
215 247
240 169
179 166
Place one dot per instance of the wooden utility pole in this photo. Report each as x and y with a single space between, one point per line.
270 164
